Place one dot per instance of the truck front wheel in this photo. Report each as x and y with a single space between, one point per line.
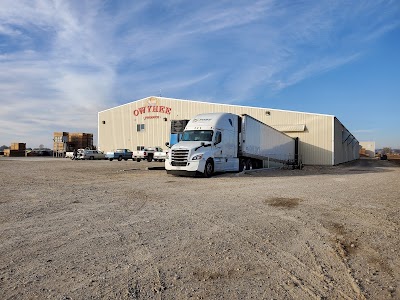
119 158
209 168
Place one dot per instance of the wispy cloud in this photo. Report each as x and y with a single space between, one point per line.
365 130
63 61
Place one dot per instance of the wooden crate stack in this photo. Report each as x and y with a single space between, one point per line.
60 138
16 150
80 140
363 152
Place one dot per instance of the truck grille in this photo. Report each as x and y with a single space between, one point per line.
179 157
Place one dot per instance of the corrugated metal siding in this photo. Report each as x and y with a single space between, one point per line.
346 147
119 131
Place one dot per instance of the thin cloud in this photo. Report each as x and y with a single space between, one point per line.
365 131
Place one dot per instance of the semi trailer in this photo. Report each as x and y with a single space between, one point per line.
225 142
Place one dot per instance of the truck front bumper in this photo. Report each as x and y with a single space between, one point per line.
192 168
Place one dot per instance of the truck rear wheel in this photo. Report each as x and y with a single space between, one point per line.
209 168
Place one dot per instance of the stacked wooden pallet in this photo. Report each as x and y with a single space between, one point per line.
16 150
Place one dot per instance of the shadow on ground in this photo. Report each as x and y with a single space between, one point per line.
360 166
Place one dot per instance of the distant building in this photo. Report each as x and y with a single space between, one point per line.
367 149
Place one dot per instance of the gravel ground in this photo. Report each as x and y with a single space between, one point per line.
116 230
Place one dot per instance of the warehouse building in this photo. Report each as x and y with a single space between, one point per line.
323 139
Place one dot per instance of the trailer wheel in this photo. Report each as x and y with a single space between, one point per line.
242 165
138 159
209 168
119 158
249 164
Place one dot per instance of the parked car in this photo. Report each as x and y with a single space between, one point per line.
119 154
92 154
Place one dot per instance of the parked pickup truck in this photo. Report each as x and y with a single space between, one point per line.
92 154
160 155
146 153
119 154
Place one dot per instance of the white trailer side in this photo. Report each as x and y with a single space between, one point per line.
261 141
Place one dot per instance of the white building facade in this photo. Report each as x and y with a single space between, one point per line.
323 139
369 148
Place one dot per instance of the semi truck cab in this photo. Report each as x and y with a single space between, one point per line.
208 144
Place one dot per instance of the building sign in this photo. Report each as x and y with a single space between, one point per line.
152 107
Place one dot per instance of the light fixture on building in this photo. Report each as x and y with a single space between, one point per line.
165 119
104 122
268 113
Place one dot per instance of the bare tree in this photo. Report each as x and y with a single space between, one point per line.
386 150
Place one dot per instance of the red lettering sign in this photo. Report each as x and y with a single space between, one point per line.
152 108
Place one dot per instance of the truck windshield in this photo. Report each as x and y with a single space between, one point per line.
197 135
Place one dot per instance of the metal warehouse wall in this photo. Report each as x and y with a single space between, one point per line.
346 145
117 126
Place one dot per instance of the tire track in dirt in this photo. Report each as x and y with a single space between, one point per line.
269 253
308 279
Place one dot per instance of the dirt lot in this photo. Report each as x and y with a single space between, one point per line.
114 230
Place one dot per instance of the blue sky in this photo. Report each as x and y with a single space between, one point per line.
63 61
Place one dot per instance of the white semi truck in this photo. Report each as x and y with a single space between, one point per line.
224 142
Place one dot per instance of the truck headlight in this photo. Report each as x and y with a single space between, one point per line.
197 157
